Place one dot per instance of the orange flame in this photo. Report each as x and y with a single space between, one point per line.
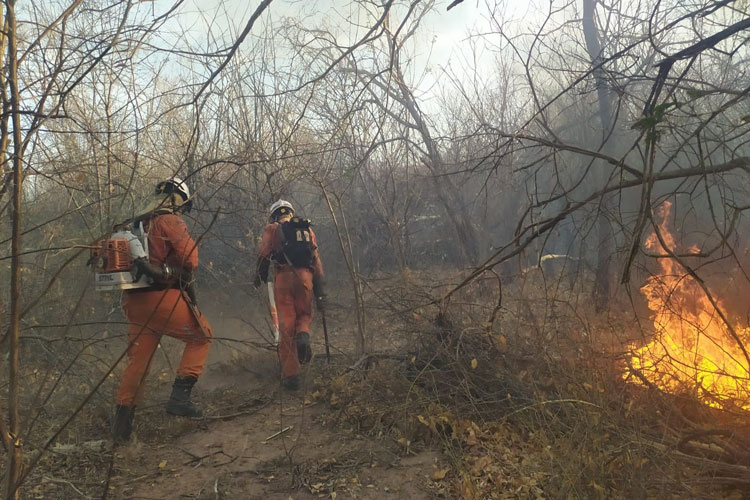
692 350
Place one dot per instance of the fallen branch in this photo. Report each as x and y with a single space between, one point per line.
63 481
240 413
277 434
719 450
363 363
742 471
97 446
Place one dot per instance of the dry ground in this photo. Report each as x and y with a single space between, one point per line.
236 458
238 451
453 406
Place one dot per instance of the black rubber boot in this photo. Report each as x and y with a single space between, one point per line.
304 352
179 401
291 383
123 424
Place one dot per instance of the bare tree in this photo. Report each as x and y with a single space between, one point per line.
605 247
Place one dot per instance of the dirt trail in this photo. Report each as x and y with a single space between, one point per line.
233 457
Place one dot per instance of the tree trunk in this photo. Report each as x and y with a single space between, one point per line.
447 192
350 261
7 181
605 246
15 465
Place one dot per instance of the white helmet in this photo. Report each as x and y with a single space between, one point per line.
281 207
176 185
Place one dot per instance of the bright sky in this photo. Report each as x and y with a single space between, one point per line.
444 34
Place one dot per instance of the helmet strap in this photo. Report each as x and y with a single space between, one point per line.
169 203
177 201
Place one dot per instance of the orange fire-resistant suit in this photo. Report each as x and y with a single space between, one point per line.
153 312
293 291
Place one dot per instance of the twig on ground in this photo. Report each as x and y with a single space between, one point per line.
364 362
277 434
63 481
240 413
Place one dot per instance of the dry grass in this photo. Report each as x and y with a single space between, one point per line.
535 405
525 401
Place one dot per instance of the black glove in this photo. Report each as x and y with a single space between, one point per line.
319 292
157 274
262 275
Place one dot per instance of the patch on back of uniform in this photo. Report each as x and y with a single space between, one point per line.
297 246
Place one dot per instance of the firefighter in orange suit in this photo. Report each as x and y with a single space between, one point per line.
166 308
289 244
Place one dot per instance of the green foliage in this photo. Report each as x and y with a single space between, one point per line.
649 123
695 94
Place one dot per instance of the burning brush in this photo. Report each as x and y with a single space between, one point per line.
694 350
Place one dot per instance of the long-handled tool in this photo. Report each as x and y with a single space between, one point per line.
274 313
197 314
325 336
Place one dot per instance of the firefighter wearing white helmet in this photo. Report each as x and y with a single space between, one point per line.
279 209
168 307
289 244
178 194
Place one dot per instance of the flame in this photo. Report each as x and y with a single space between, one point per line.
693 349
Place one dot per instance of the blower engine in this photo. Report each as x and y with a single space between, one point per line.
114 260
